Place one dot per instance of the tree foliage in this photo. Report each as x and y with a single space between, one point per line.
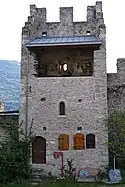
14 152
116 130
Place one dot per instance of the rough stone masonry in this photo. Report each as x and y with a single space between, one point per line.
84 95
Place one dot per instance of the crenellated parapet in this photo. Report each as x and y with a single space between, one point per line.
37 25
116 79
37 22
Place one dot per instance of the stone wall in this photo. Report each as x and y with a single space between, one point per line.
89 113
116 87
83 114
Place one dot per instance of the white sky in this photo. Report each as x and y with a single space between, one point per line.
14 13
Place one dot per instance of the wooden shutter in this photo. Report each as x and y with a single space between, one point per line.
90 141
79 141
63 142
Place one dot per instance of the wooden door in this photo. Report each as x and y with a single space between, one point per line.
39 150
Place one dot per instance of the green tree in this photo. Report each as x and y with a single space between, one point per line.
116 131
14 152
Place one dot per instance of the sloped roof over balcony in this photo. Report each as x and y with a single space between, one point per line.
46 41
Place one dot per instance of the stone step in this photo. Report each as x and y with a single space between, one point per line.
35 180
88 179
36 175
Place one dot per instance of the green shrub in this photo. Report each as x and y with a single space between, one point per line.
116 138
15 154
69 169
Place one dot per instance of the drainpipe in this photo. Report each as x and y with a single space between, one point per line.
62 165
57 155
27 89
114 162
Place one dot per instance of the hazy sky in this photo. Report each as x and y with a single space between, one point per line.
14 13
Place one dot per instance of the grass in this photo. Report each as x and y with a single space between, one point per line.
61 183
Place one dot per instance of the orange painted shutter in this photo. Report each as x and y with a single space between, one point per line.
63 142
79 141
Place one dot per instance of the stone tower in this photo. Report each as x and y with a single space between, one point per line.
64 88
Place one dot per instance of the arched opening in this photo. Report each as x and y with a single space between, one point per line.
63 142
65 67
44 33
39 150
90 141
61 108
79 141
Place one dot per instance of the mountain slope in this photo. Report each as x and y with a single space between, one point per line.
10 84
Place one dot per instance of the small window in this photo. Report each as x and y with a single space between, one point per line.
79 100
63 142
65 67
43 99
44 128
90 141
30 88
78 65
88 33
79 141
62 108
79 128
44 33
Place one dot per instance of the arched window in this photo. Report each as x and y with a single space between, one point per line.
63 142
39 150
90 141
79 141
61 108
65 67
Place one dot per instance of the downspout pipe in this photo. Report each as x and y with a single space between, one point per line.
27 89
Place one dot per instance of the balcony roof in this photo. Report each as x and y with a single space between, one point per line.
49 41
